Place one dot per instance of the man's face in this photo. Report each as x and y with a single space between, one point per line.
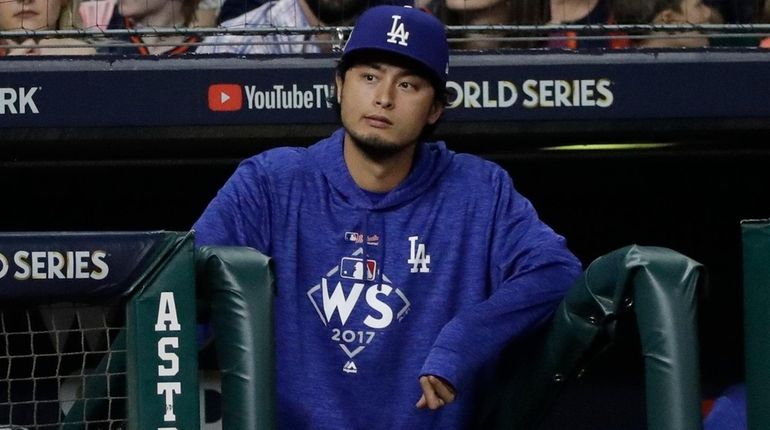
29 14
385 106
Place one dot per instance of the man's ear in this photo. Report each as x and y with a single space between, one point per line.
435 112
338 87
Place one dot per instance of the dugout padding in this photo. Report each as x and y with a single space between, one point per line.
756 299
127 303
658 286
236 283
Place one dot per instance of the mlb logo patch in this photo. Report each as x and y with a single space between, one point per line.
352 236
353 268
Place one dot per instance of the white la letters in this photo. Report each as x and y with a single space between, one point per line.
398 31
418 256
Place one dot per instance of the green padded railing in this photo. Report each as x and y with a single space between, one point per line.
238 284
756 299
659 285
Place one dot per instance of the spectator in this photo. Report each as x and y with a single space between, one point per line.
40 15
140 14
666 12
493 12
397 286
208 12
579 12
233 8
286 14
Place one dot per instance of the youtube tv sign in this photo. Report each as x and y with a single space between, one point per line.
225 97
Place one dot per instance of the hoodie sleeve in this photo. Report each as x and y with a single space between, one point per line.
239 215
531 270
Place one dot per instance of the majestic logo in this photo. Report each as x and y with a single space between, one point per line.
398 31
354 307
418 256
225 97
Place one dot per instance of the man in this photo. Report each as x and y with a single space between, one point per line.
285 14
39 15
232 8
667 12
402 268
138 14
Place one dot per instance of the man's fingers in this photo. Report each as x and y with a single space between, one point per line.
429 393
422 402
442 388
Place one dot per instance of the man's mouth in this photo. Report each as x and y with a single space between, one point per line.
378 121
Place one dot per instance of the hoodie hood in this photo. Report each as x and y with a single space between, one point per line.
431 160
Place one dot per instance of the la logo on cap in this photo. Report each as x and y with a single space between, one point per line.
398 31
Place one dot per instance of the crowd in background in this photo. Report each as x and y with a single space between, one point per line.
681 16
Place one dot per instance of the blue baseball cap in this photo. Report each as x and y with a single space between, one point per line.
402 30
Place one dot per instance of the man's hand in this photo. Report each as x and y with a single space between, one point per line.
436 392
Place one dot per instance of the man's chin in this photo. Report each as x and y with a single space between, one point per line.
376 147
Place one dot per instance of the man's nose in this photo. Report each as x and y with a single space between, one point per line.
384 96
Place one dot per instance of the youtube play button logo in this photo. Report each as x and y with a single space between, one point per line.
225 97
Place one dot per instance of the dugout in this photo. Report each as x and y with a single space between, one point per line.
655 148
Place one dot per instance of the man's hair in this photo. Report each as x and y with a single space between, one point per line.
440 94
641 11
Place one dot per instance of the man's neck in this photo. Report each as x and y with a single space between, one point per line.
377 176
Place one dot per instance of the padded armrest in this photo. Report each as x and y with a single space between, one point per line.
239 286
659 285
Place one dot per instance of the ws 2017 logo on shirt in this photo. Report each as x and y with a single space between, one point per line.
354 307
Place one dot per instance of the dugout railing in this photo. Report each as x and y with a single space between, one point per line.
98 331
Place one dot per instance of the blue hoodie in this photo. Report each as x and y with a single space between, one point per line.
434 277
